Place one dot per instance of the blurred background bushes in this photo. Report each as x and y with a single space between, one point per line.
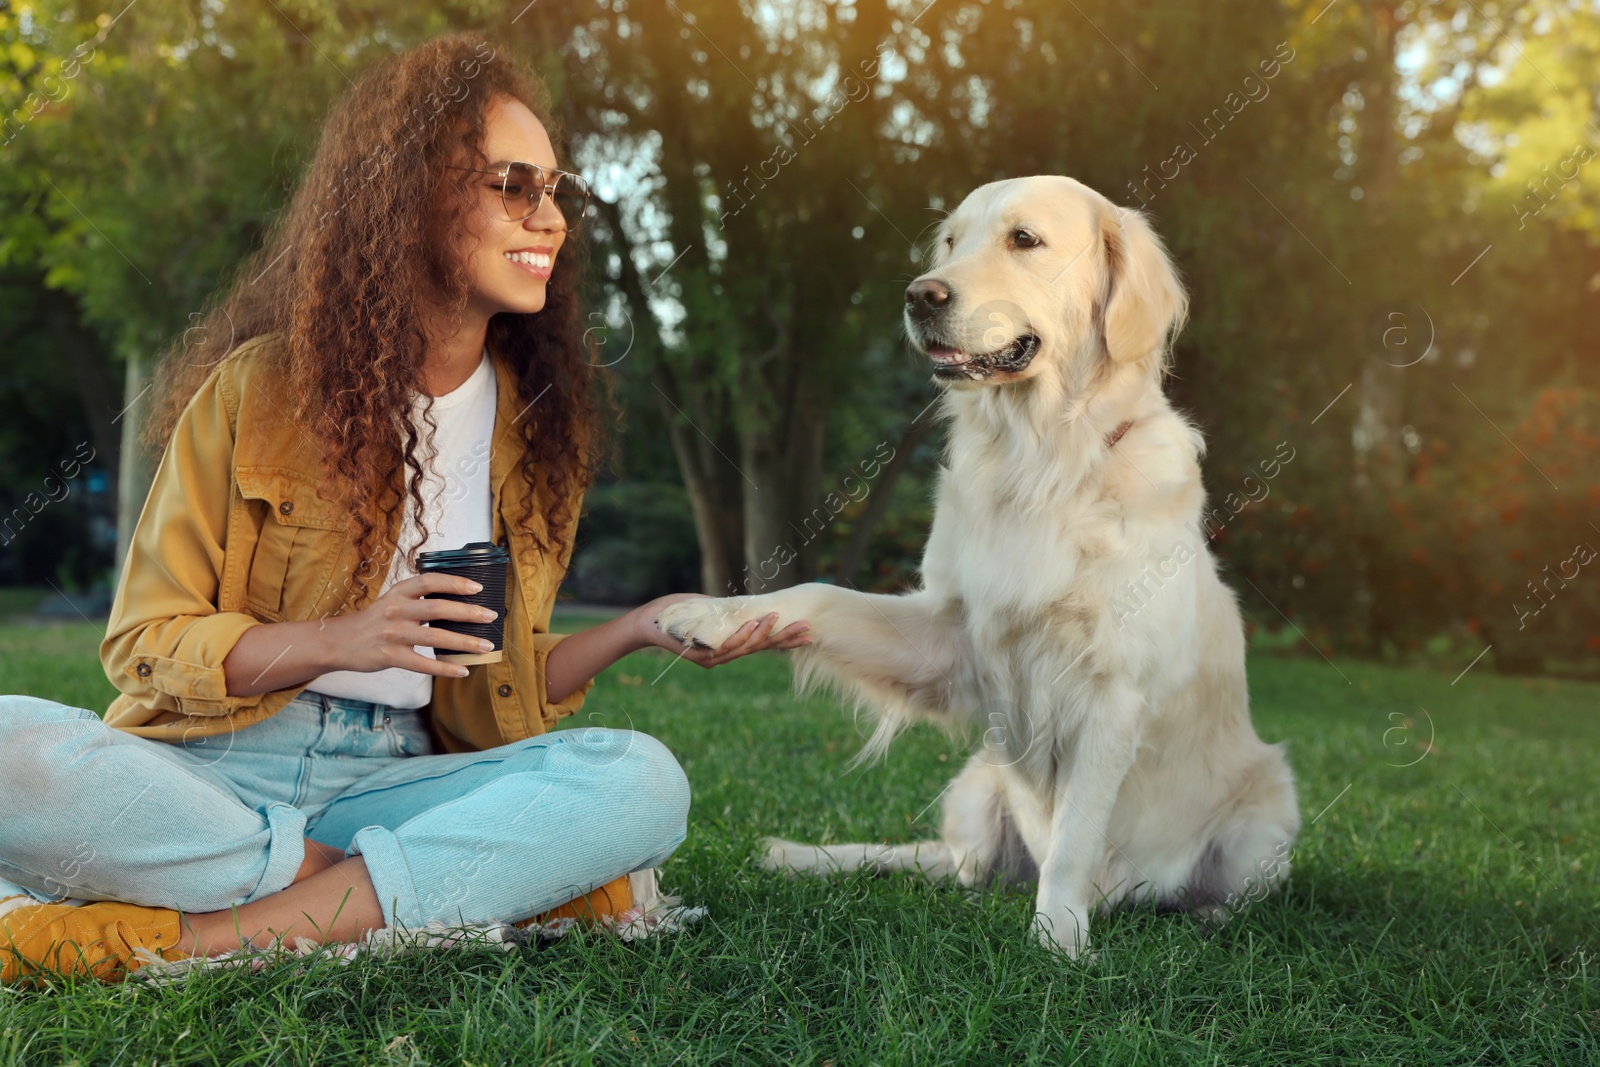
636 542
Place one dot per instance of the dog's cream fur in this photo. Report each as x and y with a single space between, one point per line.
1069 607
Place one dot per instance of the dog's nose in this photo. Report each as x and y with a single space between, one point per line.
926 297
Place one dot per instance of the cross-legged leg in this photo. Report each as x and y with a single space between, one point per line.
496 835
512 831
94 813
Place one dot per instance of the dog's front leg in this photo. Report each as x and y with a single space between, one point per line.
903 650
1086 786
904 633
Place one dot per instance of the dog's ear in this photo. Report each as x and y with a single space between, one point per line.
1143 304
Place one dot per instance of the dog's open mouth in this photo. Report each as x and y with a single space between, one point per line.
1009 359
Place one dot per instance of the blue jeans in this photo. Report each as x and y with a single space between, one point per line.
90 812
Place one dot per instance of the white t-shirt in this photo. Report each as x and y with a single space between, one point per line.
456 501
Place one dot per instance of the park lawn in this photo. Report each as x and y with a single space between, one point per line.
1443 909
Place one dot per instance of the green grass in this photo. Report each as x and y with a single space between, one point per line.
1446 912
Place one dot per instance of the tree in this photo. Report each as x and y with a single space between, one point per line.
161 143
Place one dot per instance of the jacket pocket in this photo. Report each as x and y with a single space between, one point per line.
300 537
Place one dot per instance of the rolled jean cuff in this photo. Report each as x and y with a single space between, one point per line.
286 849
391 876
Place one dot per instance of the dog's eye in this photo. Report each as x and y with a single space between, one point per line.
949 243
1021 238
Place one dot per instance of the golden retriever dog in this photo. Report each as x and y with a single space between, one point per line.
1069 606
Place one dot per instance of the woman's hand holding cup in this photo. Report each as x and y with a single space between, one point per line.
383 633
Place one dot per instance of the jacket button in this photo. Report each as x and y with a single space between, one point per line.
504 690
142 670
286 508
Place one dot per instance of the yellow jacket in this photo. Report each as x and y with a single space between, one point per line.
233 535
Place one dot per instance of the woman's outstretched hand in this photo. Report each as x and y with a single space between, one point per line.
756 635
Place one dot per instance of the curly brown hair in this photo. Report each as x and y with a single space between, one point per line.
347 272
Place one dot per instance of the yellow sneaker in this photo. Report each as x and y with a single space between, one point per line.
608 901
98 939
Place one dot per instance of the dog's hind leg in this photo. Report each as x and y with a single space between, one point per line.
931 858
976 839
982 829
1249 855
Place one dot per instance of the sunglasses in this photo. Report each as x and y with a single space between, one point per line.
523 187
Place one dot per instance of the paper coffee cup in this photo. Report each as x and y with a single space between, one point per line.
485 564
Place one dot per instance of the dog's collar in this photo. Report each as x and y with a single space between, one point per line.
1116 435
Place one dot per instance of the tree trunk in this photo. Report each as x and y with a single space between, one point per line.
135 469
713 487
86 362
771 550
1378 469
1378 389
781 456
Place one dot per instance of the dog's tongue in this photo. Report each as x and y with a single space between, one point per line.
944 354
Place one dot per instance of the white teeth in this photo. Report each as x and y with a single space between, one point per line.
532 259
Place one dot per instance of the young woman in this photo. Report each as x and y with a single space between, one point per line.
398 369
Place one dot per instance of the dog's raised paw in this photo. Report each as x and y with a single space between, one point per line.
706 622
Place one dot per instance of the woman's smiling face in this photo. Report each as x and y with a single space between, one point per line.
510 261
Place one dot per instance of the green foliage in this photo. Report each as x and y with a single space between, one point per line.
56 501
180 134
636 542
1345 188
1520 554
1480 550
895 551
